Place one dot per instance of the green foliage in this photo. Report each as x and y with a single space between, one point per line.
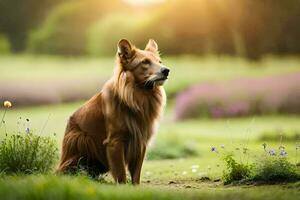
78 188
171 148
210 27
27 153
180 26
275 135
235 171
4 44
271 168
274 169
17 18
104 35
64 31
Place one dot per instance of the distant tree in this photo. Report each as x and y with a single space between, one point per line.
250 28
19 16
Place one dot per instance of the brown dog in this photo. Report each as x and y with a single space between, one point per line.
111 131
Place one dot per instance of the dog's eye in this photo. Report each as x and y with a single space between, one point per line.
160 61
146 62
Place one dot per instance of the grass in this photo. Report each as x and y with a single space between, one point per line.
212 129
27 153
202 134
50 187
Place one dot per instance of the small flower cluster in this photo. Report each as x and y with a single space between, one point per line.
214 149
272 152
274 166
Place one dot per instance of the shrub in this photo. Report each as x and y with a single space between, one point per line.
64 30
172 149
235 171
103 37
274 169
241 97
27 153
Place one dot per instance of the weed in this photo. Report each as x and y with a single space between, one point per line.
274 169
27 153
235 171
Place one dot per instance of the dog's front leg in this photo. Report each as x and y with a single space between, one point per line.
135 166
115 155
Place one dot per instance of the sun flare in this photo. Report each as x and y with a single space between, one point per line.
143 2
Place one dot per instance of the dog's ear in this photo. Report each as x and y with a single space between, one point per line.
152 46
125 50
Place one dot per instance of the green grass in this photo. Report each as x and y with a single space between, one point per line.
50 187
212 129
201 133
53 68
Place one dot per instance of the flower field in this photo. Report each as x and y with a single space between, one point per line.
256 96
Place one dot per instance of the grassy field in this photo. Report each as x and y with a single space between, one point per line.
59 188
170 174
161 179
185 70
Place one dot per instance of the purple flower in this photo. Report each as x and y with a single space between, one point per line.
27 130
240 97
283 153
213 149
272 152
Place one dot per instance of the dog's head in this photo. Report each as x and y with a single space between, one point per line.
144 66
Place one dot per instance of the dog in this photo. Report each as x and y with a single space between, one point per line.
111 131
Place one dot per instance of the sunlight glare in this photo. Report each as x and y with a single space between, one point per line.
143 2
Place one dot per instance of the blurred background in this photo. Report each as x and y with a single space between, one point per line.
235 66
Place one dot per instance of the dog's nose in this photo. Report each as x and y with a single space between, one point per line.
165 71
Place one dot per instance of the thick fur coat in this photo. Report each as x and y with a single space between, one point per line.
111 131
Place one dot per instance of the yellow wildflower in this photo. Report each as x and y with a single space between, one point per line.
7 104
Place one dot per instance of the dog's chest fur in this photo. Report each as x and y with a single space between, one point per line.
137 120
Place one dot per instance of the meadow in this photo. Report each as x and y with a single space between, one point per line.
180 163
46 79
